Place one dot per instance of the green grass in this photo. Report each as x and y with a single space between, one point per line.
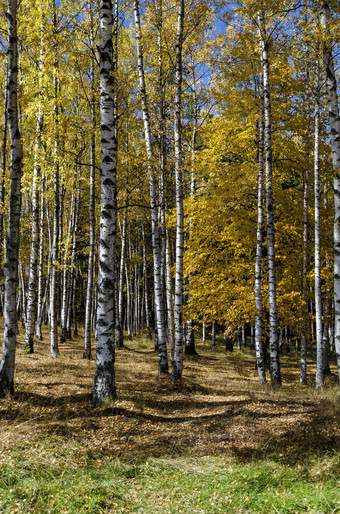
49 481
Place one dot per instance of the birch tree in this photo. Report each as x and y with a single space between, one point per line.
104 384
156 246
334 121
90 270
32 282
273 333
177 363
12 248
54 254
260 360
317 265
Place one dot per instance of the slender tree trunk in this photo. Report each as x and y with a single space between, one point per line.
73 275
104 384
90 267
190 334
40 295
120 335
2 182
213 333
177 363
303 361
252 338
273 334
146 296
32 282
317 286
334 121
239 338
128 303
22 297
12 248
55 242
156 247
325 337
65 303
260 357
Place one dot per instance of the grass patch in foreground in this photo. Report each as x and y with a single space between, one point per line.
54 483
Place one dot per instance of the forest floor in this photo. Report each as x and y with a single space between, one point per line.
217 442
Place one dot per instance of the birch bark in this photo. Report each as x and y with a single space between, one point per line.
32 281
260 361
90 267
190 334
56 208
156 247
273 334
104 384
317 250
12 248
2 181
303 360
334 121
40 295
177 363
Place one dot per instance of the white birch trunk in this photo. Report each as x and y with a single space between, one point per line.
334 121
104 384
273 334
12 249
87 353
317 250
66 273
259 349
128 303
2 182
55 239
303 359
120 336
156 247
177 363
40 295
32 281
213 333
190 335
146 296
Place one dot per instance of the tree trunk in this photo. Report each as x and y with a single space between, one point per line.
104 383
12 248
317 272
177 363
90 267
156 247
303 360
146 297
2 182
40 295
32 282
190 334
334 121
213 333
55 240
260 358
273 335
120 335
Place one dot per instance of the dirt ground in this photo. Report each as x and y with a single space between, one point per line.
217 409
